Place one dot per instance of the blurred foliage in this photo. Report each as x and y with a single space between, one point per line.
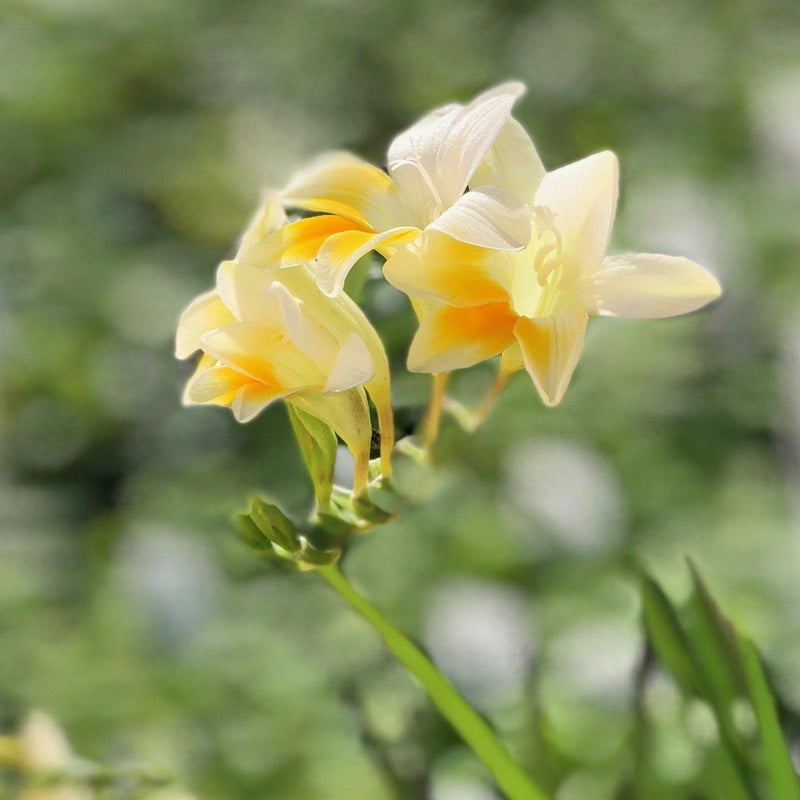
135 139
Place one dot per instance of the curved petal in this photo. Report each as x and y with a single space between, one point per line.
303 326
264 356
341 251
295 243
651 286
438 267
252 399
342 184
434 159
222 386
243 289
341 316
270 217
582 197
213 383
353 366
453 338
511 163
551 347
487 217
203 314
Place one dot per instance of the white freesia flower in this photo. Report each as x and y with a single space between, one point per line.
45 750
268 334
456 171
532 306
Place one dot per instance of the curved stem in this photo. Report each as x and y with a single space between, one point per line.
472 727
494 392
433 417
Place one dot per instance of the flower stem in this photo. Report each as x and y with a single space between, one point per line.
433 417
494 392
472 727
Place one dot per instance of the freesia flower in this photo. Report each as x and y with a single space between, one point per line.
44 750
430 165
267 335
532 306
271 242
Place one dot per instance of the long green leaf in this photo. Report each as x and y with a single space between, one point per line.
668 637
780 771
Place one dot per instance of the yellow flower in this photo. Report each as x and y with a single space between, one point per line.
430 166
532 306
269 334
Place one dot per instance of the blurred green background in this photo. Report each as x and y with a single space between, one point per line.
135 139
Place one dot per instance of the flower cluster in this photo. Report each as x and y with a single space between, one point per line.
499 258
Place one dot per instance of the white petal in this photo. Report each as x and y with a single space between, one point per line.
268 219
551 347
263 355
436 157
353 365
242 287
651 286
511 163
583 199
252 399
487 217
212 383
304 332
203 314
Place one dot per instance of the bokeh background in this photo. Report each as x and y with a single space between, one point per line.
135 139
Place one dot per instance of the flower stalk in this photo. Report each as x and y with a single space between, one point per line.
433 416
472 728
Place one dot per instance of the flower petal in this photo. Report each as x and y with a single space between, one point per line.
341 251
296 243
340 183
203 314
437 267
303 328
243 290
434 159
263 355
511 163
551 347
213 383
269 218
252 399
487 217
353 366
651 286
453 338
583 199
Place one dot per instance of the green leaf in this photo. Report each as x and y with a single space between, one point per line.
714 640
780 771
274 524
668 637
318 445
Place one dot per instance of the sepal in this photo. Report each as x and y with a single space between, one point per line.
318 445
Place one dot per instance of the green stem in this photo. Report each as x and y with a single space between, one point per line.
472 727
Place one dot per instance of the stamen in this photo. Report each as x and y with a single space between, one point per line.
548 257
